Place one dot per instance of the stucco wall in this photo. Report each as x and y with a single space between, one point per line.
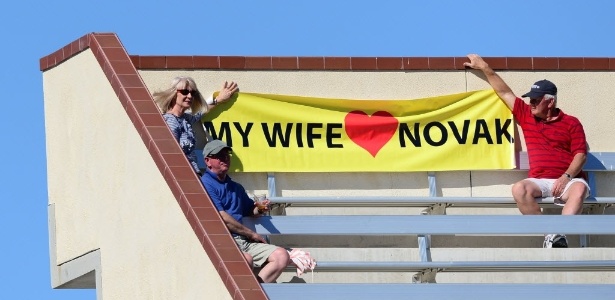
574 91
109 194
586 95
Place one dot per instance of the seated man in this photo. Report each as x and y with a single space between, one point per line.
556 148
233 203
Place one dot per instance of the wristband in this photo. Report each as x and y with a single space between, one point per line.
211 100
568 175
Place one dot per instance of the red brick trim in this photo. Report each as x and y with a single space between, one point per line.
337 63
284 63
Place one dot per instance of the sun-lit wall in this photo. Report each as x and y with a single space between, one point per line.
109 200
109 195
586 95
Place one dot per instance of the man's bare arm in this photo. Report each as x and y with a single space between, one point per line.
497 83
577 164
573 170
239 228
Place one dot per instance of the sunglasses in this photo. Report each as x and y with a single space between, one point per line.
186 92
536 100
221 155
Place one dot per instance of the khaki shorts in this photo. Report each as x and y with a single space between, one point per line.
259 251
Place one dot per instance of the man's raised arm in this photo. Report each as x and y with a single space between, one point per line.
499 86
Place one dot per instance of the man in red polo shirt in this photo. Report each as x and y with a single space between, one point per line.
556 148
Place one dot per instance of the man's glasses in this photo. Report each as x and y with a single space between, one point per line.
536 100
186 92
222 155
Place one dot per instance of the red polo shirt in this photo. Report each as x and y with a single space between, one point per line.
551 145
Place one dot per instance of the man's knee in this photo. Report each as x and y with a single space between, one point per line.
517 189
576 192
523 190
280 255
574 198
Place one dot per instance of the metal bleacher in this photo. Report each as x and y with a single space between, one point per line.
368 291
434 221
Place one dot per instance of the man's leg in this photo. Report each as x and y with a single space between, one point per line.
250 261
574 197
524 192
276 263
248 258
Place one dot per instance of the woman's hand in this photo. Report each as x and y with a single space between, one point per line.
227 91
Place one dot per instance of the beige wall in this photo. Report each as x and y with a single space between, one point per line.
108 194
574 89
586 95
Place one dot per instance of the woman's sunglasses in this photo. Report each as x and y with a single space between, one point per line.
186 92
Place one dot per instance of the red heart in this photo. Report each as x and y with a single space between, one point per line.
370 132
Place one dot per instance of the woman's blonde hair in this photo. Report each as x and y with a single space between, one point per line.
166 98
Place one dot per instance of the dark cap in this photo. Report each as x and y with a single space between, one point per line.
540 88
214 147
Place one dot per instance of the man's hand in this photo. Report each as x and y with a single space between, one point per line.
499 86
476 62
261 206
559 185
257 238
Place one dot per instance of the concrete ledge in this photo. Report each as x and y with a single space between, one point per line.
83 272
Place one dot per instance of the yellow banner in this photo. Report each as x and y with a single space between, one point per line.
279 133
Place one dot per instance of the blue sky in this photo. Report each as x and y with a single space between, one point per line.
32 29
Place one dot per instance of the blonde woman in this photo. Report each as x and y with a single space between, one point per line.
181 96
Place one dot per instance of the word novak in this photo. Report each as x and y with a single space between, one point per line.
366 134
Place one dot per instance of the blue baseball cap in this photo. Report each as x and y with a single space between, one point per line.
540 88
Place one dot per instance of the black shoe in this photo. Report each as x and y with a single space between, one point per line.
559 241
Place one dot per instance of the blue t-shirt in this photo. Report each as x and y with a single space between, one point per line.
181 127
228 196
